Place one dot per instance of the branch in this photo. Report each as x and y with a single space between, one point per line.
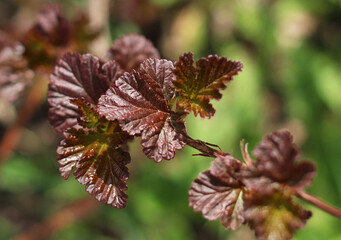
319 203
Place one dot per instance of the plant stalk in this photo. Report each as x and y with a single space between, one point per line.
319 203
203 147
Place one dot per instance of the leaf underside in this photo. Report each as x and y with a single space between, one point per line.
77 76
94 152
131 50
197 85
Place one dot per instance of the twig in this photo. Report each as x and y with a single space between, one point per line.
319 203
203 147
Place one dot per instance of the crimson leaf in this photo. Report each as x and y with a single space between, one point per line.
217 193
198 84
277 163
274 215
94 151
131 50
139 101
77 76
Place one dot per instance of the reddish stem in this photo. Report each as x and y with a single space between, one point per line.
203 147
319 203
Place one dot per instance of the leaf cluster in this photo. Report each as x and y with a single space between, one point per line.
138 93
259 193
97 105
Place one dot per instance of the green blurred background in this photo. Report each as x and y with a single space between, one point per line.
291 79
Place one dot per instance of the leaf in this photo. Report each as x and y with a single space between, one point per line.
274 215
217 193
198 84
131 50
139 101
52 27
77 76
271 182
277 163
14 74
94 151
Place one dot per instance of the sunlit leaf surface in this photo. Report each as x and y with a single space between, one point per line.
139 101
197 85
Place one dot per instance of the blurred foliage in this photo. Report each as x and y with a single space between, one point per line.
291 79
